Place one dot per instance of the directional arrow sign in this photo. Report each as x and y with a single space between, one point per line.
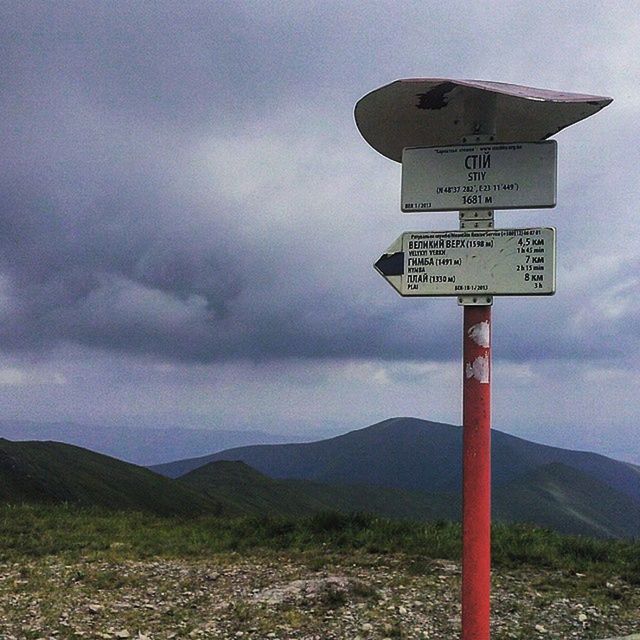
491 262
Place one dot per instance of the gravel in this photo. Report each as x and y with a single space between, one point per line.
278 597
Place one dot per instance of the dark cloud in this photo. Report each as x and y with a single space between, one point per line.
191 65
112 235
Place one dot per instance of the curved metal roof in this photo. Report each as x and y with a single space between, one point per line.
426 112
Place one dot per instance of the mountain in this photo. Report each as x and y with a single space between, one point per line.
553 496
140 444
53 472
414 455
243 490
400 453
562 498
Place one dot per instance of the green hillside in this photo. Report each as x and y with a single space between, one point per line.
53 472
568 501
553 496
245 491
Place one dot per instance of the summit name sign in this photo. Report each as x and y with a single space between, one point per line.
519 175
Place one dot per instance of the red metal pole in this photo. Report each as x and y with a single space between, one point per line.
476 494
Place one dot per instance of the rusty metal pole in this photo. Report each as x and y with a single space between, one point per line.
476 494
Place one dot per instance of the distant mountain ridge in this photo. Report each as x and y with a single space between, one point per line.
412 454
400 468
140 445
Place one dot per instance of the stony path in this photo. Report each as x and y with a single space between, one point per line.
306 597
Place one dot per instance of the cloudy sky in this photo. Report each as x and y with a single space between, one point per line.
189 218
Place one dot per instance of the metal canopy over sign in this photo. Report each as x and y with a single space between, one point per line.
429 112
487 262
520 175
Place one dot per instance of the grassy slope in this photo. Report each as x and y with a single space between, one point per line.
248 491
553 496
52 472
568 501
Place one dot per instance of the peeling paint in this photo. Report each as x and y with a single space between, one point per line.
481 334
437 97
479 369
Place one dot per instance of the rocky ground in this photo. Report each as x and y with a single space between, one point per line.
298 596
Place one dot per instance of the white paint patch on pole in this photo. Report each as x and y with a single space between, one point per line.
479 369
480 333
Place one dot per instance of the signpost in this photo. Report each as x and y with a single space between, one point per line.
474 146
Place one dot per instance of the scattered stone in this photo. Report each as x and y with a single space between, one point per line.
310 589
235 596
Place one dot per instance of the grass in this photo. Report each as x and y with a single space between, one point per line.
36 531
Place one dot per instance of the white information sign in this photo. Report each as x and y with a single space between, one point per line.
518 175
507 262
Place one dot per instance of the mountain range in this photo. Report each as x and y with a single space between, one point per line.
402 467
139 443
412 454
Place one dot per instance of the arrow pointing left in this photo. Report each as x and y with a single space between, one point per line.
390 265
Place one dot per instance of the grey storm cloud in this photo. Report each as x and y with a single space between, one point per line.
109 237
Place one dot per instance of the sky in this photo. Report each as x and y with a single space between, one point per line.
189 219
